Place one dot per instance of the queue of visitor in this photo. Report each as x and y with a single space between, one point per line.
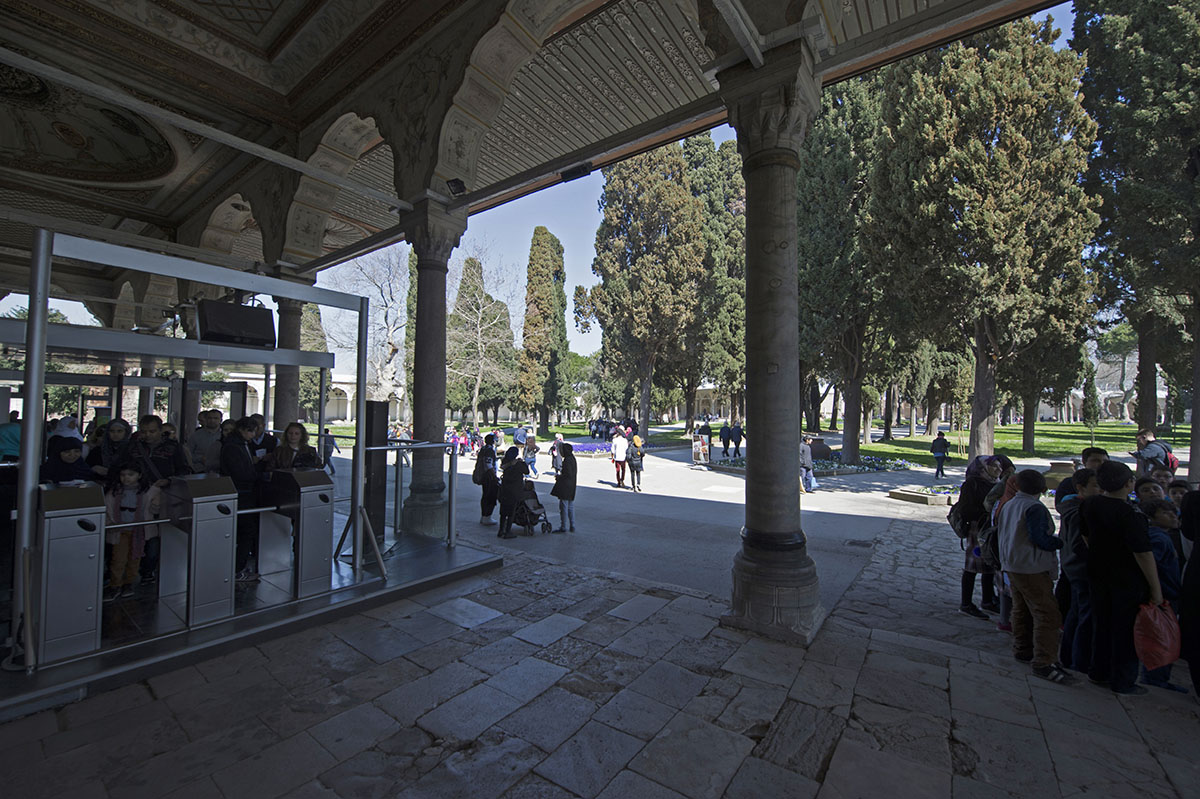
134 466
1071 600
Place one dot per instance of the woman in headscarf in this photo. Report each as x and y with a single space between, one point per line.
564 488
513 470
634 457
980 479
67 427
556 458
64 461
113 449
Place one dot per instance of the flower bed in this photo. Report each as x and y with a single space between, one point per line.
937 490
867 463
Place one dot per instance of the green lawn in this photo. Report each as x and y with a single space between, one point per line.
1051 439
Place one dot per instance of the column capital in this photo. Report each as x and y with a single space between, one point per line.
771 107
288 305
434 231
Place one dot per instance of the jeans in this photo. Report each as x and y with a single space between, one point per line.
620 466
635 477
1035 617
941 465
1075 652
532 463
1114 609
491 492
566 513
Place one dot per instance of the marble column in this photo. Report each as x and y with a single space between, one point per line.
287 378
145 394
774 579
434 233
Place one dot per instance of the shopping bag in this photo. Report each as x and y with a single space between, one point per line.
1156 636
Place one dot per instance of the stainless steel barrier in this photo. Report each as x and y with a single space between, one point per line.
70 579
199 545
305 501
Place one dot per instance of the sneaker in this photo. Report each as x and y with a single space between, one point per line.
246 576
972 611
559 530
1004 627
111 593
993 606
1053 673
1023 658
506 535
572 528
126 591
486 520
149 579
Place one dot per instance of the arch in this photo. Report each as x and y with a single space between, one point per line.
337 404
124 314
494 63
231 229
252 404
309 221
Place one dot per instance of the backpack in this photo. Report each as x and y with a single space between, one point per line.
960 526
477 472
989 546
1170 460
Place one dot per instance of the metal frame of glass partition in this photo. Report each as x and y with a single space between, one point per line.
39 335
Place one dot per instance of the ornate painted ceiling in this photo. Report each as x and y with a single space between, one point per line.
403 95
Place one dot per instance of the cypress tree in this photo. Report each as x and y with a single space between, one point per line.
541 380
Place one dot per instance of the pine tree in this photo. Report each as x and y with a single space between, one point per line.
541 379
649 258
1091 400
1142 86
977 197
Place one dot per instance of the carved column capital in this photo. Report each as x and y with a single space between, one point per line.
434 232
772 107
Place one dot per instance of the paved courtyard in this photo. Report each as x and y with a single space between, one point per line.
547 680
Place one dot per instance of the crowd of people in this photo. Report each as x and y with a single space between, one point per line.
135 466
1070 597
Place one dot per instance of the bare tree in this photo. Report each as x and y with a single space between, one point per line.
382 277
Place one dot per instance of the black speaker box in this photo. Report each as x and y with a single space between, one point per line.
226 323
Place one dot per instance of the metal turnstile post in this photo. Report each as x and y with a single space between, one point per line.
70 581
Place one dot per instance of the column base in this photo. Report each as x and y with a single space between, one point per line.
775 595
425 513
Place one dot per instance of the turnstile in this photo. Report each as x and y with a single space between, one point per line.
199 546
305 499
70 580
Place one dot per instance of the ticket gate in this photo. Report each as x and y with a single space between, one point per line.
69 583
199 546
299 534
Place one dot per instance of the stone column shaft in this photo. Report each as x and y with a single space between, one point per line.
434 236
774 579
287 378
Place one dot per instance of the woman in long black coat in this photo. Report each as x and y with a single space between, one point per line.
513 470
564 488
980 478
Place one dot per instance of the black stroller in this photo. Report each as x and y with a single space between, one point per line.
530 512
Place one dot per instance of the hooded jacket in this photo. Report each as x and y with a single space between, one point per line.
564 484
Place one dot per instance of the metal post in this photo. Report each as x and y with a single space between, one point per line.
451 480
266 397
396 496
32 428
118 401
358 476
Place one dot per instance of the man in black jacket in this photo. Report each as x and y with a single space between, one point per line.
486 464
241 466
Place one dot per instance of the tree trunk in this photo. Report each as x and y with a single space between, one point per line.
932 417
866 428
853 416
912 420
814 406
983 401
1029 407
1125 393
544 422
1147 375
1193 473
899 402
644 403
888 401
475 398
834 416
689 403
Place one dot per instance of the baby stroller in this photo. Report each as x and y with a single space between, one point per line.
529 512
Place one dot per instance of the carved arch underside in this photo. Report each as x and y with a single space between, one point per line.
532 93
312 227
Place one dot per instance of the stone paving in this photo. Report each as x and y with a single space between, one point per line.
541 681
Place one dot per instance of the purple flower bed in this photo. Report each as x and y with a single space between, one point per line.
590 448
